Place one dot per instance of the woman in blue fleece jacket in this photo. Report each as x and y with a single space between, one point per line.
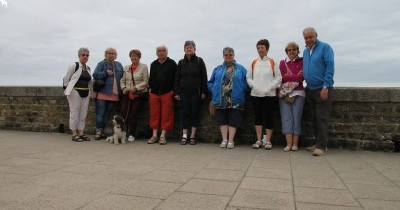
228 88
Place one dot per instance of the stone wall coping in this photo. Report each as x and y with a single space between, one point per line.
346 94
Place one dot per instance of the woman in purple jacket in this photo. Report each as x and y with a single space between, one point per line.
291 96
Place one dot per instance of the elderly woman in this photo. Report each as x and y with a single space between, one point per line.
133 85
77 85
190 89
264 78
110 72
161 95
228 87
292 95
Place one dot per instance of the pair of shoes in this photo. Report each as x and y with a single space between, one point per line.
152 140
230 145
85 138
318 152
223 144
183 141
311 148
193 141
131 138
76 138
163 140
257 145
268 145
294 148
286 149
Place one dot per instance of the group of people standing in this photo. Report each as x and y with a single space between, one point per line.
270 85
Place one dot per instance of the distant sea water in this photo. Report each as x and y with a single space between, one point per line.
371 84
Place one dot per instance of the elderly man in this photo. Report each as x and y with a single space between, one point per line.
161 101
318 67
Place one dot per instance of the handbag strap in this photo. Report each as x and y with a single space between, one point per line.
132 71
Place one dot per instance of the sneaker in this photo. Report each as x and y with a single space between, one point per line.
131 138
311 148
268 145
295 148
223 144
231 145
286 149
318 152
152 140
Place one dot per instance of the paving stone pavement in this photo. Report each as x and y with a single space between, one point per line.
49 171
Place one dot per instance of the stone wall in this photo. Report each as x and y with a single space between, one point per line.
362 118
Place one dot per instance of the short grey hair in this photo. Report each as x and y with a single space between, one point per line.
311 29
83 50
228 49
189 42
110 49
162 46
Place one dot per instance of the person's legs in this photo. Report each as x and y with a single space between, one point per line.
311 97
323 109
136 107
257 103
269 109
100 113
154 116
84 105
167 115
155 112
287 123
185 113
221 118
74 102
297 110
195 102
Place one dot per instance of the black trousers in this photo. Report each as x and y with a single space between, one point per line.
264 110
320 115
190 110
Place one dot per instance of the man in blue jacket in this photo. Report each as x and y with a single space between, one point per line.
319 68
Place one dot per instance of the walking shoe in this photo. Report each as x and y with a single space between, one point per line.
318 152
257 145
311 148
295 148
152 140
131 138
231 145
268 145
223 144
286 149
163 140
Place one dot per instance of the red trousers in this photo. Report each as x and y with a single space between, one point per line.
161 111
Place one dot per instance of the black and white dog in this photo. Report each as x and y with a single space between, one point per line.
119 130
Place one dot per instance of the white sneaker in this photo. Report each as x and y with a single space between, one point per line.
223 144
131 138
231 145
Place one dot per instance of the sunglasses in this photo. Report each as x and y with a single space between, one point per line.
85 55
226 55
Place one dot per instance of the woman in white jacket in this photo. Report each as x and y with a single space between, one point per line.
264 78
78 88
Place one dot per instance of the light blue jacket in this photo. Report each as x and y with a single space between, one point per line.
319 67
101 73
239 86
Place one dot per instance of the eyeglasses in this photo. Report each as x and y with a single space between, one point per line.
289 50
85 55
226 55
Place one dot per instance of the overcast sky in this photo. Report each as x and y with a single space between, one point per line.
40 38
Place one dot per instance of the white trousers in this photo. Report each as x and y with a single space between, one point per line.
78 108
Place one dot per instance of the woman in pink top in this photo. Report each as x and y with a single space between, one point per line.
291 95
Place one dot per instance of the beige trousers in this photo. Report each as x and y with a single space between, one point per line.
78 107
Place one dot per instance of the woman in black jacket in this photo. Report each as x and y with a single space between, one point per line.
190 89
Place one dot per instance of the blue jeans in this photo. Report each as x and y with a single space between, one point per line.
291 115
104 110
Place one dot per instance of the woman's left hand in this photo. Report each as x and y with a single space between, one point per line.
203 96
